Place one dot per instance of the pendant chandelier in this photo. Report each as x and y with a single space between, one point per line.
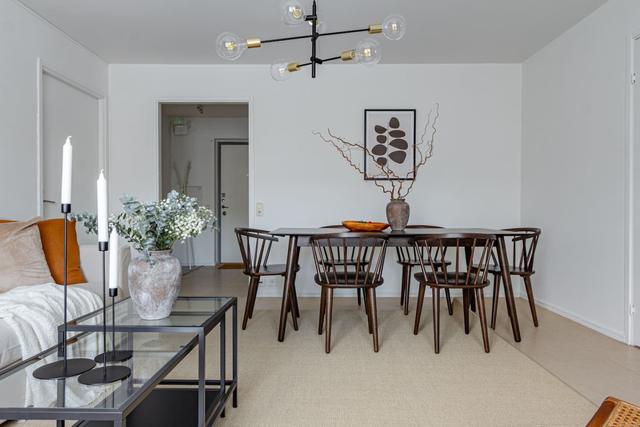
368 51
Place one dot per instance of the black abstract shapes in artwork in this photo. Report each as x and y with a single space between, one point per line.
381 152
400 144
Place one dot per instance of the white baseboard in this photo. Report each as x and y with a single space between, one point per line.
616 335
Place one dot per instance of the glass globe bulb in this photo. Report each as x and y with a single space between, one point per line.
368 52
280 71
292 12
230 46
394 27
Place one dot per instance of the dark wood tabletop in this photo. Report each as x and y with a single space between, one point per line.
409 232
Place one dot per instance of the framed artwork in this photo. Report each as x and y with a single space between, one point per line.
390 144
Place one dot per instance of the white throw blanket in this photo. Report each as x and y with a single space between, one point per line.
34 313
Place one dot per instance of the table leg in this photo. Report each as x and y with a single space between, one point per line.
235 354
223 362
508 287
201 378
288 284
293 283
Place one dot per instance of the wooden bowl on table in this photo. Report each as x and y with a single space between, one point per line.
365 226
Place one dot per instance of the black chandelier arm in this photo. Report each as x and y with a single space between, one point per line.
343 32
308 36
284 39
318 61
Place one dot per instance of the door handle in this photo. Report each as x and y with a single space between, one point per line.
49 201
224 207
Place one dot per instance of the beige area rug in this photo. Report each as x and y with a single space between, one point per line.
295 383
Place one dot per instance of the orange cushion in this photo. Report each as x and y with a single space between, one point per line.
52 235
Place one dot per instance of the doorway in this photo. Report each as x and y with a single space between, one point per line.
634 181
202 144
66 108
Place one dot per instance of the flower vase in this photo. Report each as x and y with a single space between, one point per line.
398 214
154 284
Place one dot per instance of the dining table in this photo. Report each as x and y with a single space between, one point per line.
300 237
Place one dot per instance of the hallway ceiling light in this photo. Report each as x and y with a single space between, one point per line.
368 52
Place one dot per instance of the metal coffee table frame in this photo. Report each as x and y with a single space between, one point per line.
206 415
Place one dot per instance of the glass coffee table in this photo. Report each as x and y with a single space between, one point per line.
145 398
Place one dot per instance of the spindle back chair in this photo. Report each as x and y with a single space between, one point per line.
470 255
330 254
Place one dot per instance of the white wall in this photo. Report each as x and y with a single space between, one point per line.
575 163
23 38
199 148
472 180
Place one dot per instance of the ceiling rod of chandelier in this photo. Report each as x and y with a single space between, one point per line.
368 52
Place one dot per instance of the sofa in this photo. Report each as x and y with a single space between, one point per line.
91 265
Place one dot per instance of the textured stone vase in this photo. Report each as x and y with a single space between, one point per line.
154 286
398 214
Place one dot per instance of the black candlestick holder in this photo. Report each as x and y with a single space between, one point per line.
107 373
65 367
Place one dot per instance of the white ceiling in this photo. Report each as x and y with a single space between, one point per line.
439 31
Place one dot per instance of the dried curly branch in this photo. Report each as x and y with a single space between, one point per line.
393 185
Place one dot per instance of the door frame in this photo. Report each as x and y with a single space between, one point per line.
218 143
103 153
632 235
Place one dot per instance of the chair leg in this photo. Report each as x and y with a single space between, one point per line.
292 310
327 337
532 303
367 303
323 306
403 284
253 297
419 303
294 296
373 310
465 304
407 290
435 296
472 301
495 299
447 294
247 306
365 300
359 299
483 318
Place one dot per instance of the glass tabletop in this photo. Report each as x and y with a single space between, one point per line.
153 353
186 312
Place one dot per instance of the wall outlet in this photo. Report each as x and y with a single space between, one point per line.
259 209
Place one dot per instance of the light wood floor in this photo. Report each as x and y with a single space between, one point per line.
592 364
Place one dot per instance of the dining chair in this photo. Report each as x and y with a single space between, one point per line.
255 248
461 274
523 250
350 260
409 258
331 274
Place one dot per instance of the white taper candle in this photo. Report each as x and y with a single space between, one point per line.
113 260
103 209
67 161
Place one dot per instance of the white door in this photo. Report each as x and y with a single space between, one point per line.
66 111
636 195
233 163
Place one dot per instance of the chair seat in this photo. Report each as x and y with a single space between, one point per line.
517 271
416 261
269 270
350 281
449 281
